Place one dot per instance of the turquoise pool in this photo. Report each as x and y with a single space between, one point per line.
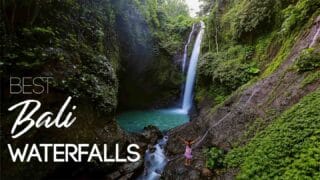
135 121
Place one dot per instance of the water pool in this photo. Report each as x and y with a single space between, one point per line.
135 121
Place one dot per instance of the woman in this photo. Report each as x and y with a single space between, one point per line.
188 151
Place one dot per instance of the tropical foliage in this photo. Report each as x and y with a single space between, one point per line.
248 38
69 36
288 148
214 157
169 20
308 60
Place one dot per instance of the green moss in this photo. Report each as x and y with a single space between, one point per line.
280 57
287 146
264 47
200 94
253 128
308 60
311 78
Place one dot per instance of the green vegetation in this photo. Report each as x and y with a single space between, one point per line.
169 21
249 38
214 157
120 54
288 148
308 60
66 40
229 69
311 78
99 52
226 71
96 44
297 15
252 17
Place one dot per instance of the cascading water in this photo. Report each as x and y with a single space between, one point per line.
184 60
185 53
315 38
155 160
187 96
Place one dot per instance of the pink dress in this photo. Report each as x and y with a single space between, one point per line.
188 153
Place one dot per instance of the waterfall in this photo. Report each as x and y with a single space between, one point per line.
187 95
315 37
155 161
185 53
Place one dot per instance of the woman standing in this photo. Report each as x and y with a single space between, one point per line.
188 151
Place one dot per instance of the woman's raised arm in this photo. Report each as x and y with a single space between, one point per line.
184 141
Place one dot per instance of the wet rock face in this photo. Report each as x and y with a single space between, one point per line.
148 76
175 149
197 170
152 134
125 171
175 146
